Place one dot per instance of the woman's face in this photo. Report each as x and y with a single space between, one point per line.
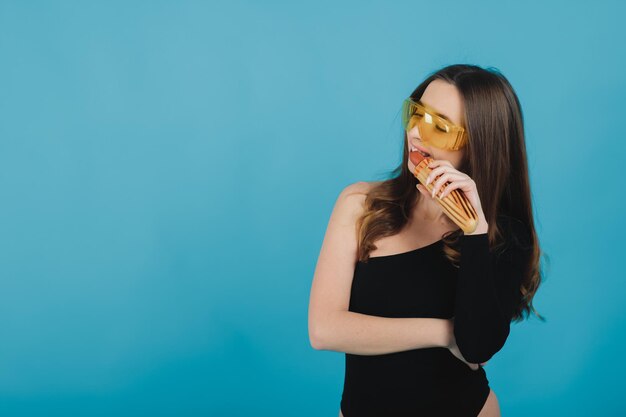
445 99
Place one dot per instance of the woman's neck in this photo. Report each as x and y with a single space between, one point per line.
427 210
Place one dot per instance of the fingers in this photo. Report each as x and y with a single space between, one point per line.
454 185
436 172
422 189
439 168
448 176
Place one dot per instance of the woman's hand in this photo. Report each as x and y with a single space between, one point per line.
443 172
454 349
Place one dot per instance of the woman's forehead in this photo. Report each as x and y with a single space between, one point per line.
444 98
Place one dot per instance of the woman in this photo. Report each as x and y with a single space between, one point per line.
417 305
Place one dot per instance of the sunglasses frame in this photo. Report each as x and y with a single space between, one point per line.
456 136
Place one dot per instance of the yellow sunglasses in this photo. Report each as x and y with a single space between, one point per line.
433 127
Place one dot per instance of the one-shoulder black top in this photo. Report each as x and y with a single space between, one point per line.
482 295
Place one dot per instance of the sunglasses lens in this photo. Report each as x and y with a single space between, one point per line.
432 129
406 113
438 132
411 113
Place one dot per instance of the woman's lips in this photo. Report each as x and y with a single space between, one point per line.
416 157
416 147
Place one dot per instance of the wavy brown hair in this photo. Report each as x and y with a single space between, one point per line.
495 159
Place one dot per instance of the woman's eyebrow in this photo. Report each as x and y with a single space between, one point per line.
439 114
443 116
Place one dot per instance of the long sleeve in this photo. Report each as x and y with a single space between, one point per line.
488 290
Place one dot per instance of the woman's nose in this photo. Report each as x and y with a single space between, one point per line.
415 132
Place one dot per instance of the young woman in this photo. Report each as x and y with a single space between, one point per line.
417 305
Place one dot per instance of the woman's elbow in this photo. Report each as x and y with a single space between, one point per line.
316 334
315 341
479 346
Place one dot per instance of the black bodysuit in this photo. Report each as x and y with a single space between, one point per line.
481 295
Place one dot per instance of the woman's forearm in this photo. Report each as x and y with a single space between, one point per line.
362 334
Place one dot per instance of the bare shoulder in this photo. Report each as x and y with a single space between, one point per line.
350 203
358 188
354 194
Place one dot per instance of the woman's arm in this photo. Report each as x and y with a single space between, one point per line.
331 325
488 291
362 334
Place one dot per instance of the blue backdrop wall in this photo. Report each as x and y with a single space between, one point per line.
168 168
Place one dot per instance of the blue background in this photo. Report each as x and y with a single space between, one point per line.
168 169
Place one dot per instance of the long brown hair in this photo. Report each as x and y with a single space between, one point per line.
495 159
